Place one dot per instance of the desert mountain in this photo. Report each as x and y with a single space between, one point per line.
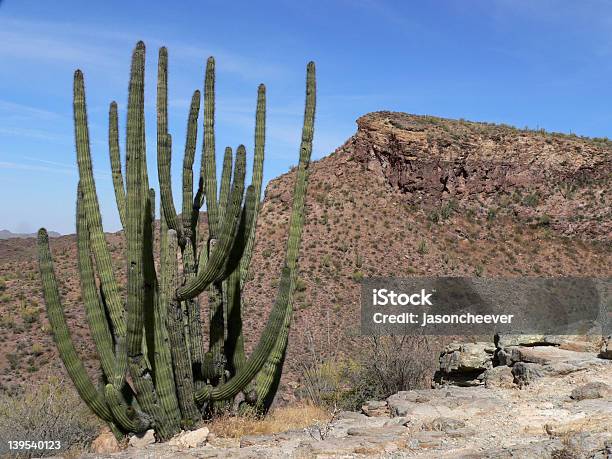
406 195
6 234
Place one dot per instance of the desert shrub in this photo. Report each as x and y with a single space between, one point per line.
448 209
532 200
384 366
300 285
37 349
52 411
30 314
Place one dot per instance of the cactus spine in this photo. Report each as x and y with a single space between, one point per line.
156 334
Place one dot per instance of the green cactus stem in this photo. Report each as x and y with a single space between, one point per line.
61 333
156 332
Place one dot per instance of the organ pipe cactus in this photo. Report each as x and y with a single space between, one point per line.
155 369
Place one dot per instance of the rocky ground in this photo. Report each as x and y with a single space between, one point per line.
531 397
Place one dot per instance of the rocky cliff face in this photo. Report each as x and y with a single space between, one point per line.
534 173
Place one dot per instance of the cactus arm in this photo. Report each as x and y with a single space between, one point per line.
150 278
256 180
234 343
61 333
115 160
218 298
245 224
208 170
194 320
138 213
259 356
94 309
226 180
164 376
216 261
268 380
190 147
94 224
178 346
164 145
128 418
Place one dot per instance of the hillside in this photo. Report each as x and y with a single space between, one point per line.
6 234
406 195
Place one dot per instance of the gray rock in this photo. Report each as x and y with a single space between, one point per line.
469 357
588 342
544 449
525 373
500 377
592 390
547 355
143 440
429 439
190 439
375 408
389 431
506 340
445 424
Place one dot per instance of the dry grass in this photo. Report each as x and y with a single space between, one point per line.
279 420
51 411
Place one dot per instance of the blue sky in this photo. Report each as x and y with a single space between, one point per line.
544 64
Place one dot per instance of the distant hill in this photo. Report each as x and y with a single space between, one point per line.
6 234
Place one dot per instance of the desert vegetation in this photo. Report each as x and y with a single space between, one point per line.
156 334
51 411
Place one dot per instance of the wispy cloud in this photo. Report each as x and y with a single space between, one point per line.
42 165
33 167
38 134
15 110
94 45
230 62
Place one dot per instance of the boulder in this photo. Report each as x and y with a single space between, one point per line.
190 439
506 340
500 377
374 408
544 355
449 402
105 443
142 440
466 358
525 373
589 342
592 390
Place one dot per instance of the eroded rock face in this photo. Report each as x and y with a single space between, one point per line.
429 158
